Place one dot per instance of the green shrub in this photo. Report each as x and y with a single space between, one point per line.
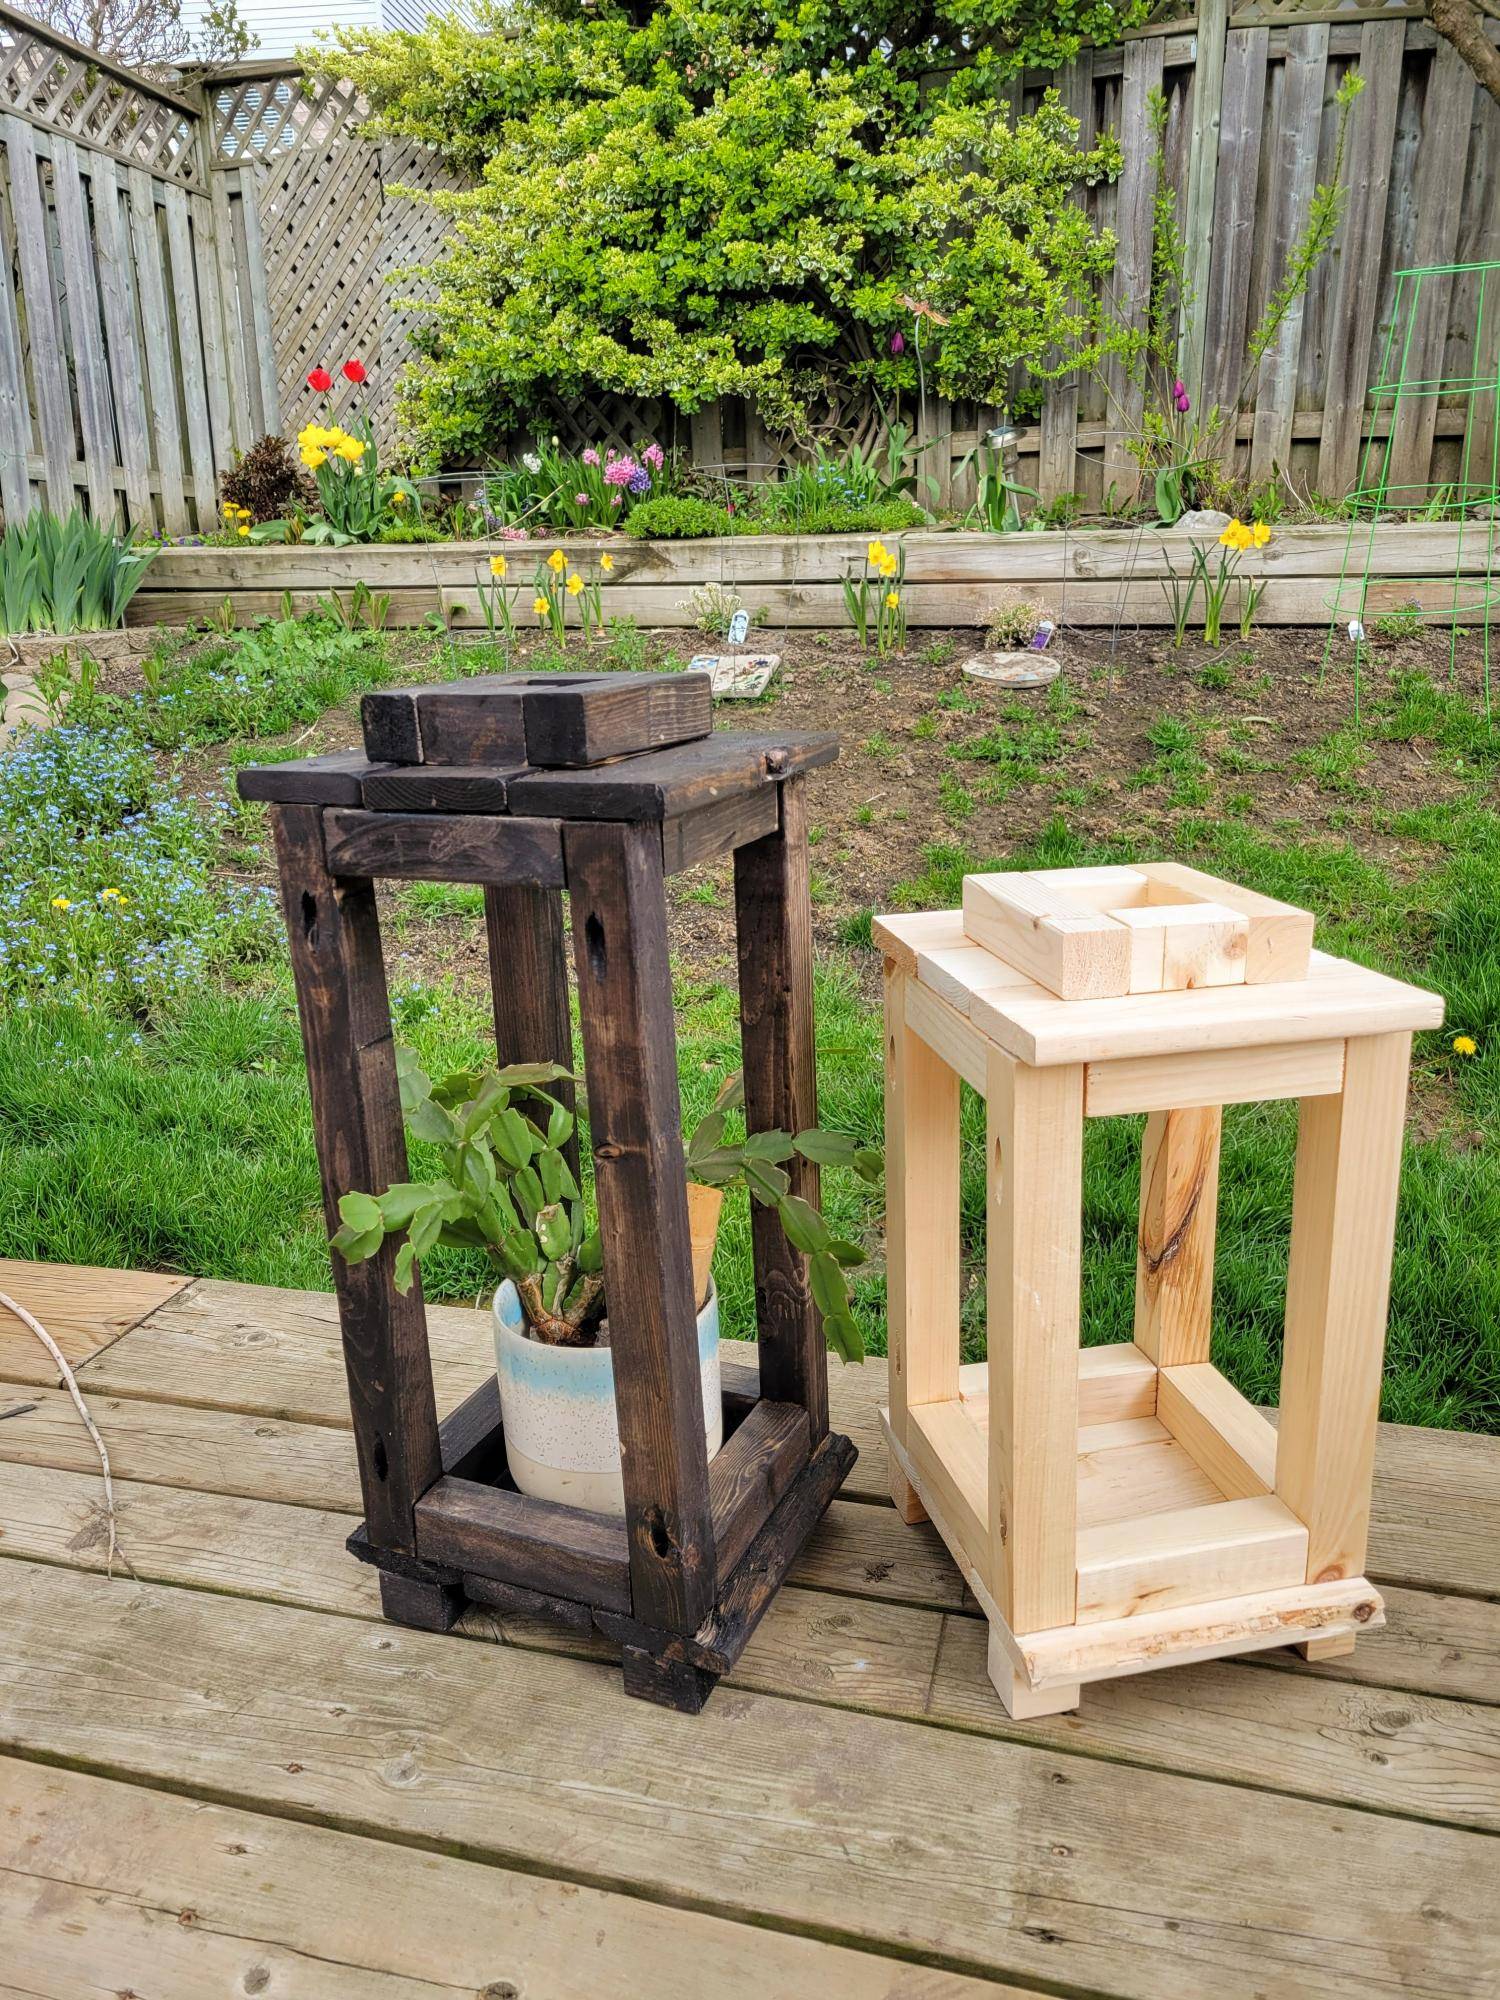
267 482
678 517
718 198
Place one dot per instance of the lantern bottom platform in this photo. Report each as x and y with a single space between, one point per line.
1174 1565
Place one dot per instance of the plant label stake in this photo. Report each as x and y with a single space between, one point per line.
1123 1507
596 786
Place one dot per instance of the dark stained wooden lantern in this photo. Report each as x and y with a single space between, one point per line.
600 785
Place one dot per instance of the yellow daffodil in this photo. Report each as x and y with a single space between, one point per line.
1236 536
61 903
557 562
497 565
575 584
539 606
889 566
875 554
350 449
893 598
1260 534
606 561
1465 1045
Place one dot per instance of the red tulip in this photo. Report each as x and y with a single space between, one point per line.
320 379
355 371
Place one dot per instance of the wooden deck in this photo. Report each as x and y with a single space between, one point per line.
228 1775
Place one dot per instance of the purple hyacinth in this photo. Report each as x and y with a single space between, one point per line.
639 482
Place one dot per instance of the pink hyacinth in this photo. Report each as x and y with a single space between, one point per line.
620 471
590 456
582 499
654 456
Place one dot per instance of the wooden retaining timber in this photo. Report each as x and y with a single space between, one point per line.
1080 578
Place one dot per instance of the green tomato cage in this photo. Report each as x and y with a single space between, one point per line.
1441 360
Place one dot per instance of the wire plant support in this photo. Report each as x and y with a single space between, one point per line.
1395 482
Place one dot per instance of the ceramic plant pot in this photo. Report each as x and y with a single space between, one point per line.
557 1404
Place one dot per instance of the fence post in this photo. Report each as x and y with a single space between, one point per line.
1203 173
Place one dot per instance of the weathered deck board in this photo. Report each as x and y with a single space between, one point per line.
83 1309
990 1855
1421 1757
275 1354
178 1899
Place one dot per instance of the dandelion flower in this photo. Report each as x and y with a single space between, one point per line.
1465 1045
557 562
61 903
244 531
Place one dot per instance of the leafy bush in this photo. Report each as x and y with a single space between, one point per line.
67 576
256 683
678 517
716 198
107 893
267 483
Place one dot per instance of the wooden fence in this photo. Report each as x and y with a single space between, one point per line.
173 262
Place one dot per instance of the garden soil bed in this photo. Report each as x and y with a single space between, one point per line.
1134 744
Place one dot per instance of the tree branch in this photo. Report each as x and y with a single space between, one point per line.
1461 24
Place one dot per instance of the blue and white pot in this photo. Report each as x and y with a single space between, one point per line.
557 1405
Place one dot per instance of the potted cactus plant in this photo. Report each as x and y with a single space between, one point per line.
506 1187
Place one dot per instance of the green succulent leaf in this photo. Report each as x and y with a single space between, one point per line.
429 1121
515 1139
400 1203
406 1260
529 1192
591 1254
355 1245
705 1137
843 1336
830 1294
805 1228
360 1211
827 1149
766 1182
552 1231
848 1254
767 1146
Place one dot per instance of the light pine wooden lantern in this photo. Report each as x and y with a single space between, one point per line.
1123 1507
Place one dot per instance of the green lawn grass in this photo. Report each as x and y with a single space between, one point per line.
177 1135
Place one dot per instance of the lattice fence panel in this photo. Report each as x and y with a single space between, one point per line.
50 82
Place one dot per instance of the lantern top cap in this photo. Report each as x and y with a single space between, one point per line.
1105 964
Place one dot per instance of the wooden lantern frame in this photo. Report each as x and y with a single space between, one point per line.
597 787
1116 1508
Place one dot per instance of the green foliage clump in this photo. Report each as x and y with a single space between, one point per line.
68 575
108 896
282 673
712 199
678 517
834 517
